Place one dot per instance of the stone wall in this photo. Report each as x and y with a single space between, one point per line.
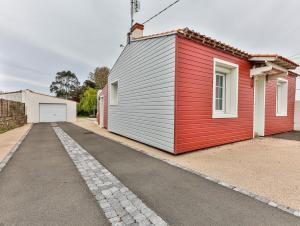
12 114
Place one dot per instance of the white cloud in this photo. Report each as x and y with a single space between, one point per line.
7 78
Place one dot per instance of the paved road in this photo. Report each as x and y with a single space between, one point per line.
179 197
41 186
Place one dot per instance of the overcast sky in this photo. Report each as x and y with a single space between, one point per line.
41 37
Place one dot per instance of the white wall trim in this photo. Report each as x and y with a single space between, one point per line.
297 115
230 66
110 93
264 107
285 113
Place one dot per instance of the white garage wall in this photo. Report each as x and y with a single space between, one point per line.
145 72
32 101
15 96
297 115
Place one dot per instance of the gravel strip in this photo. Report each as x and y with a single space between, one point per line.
10 154
120 205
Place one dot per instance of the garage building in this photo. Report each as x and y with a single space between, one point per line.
43 108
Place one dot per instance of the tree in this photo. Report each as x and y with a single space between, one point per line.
66 83
99 76
89 83
78 93
88 102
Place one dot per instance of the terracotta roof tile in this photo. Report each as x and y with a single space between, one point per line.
205 40
213 43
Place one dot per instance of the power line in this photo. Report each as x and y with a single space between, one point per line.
295 55
294 58
169 6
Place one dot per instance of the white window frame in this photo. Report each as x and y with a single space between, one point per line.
284 97
231 88
116 101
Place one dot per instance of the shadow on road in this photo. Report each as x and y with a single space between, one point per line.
294 135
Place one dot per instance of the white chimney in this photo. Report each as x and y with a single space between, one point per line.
137 31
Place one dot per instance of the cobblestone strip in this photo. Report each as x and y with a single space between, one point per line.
120 205
10 154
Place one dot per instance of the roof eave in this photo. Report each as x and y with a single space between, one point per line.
276 60
210 42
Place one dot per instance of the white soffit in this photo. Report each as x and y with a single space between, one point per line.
270 69
277 60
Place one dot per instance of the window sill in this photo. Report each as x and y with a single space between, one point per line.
281 115
218 115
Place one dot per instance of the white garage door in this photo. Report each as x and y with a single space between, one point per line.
53 112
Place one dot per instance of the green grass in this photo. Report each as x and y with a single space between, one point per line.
3 130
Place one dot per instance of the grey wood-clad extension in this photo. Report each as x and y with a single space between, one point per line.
145 74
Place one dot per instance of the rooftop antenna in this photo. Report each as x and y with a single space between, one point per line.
135 7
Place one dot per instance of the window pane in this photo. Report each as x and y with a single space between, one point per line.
221 104
221 93
217 105
219 98
221 80
217 92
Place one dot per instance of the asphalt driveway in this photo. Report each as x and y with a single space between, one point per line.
180 197
41 186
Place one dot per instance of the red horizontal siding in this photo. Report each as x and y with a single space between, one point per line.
279 124
194 126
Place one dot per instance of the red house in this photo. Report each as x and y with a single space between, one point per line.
182 91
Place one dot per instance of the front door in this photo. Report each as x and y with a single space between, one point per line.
259 106
101 112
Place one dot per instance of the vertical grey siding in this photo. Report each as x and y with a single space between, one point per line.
145 72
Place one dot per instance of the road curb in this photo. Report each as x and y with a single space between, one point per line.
259 198
12 151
